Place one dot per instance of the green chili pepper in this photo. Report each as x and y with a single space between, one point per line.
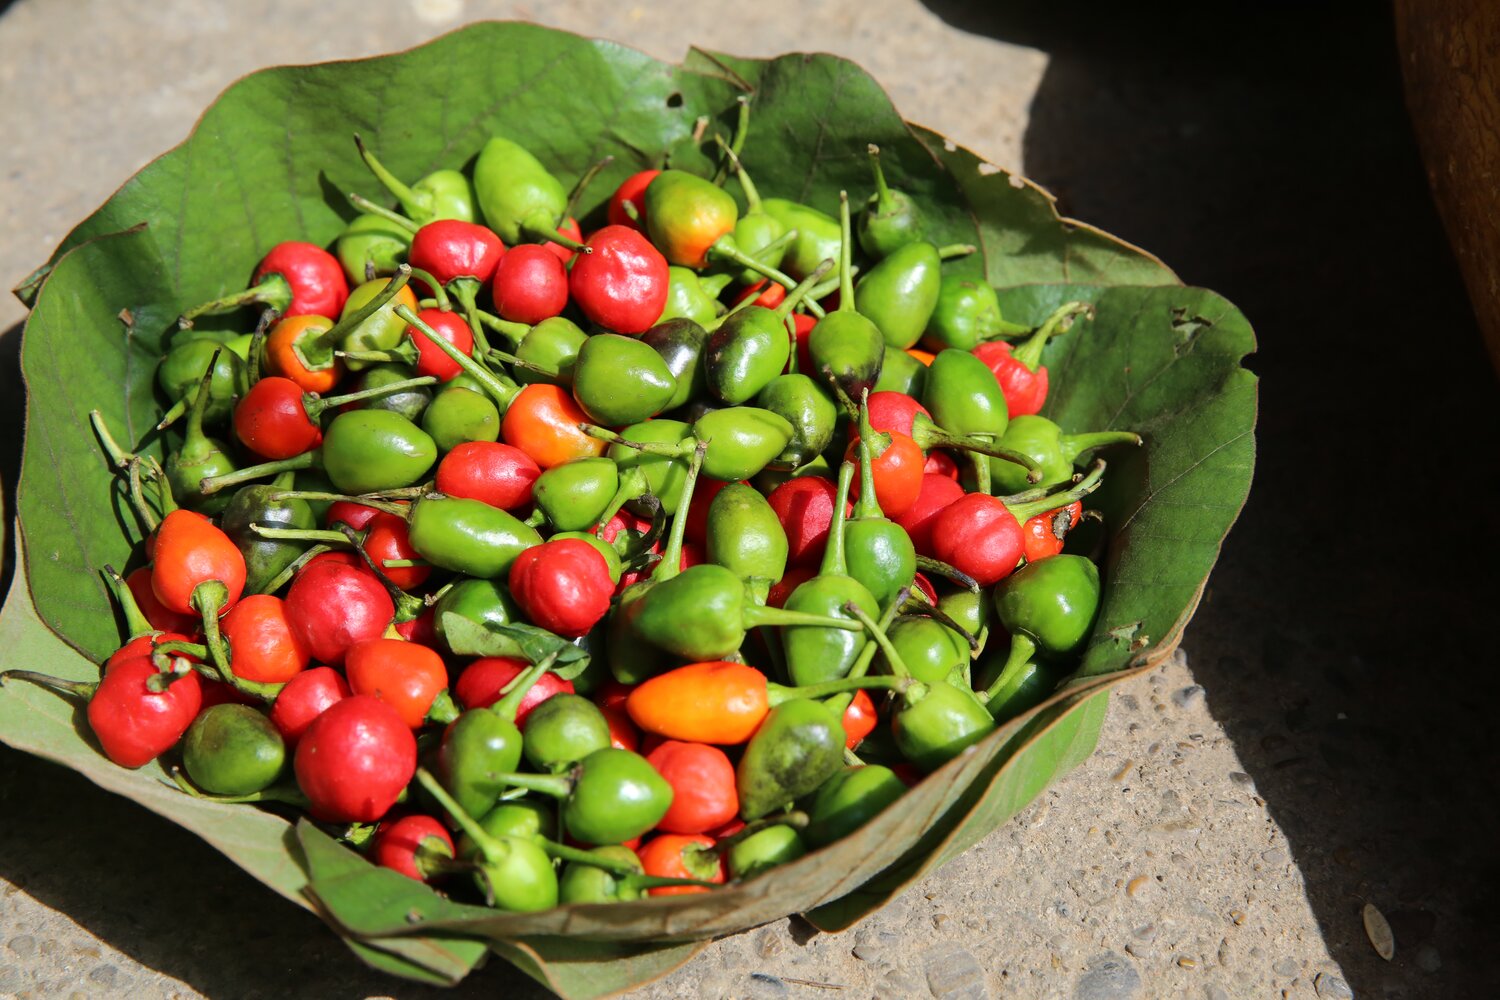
665 474
619 380
967 314
899 293
879 551
931 650
483 602
764 850
483 742
200 457
521 818
900 372
581 494
457 415
608 797
1044 441
746 537
409 402
751 347
798 747
232 749
561 731
182 369
813 416
1027 687
265 558
890 219
741 440
368 451
468 536
691 296
1048 607
964 399
371 246
442 194
818 235
849 800
521 200
380 330
816 654
845 346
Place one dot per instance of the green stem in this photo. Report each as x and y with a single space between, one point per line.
839 703
57 685
515 691
954 250
557 785
280 579
136 623
541 230
275 291
427 278
724 249
563 852
885 203
846 255
513 332
1024 512
671 556
494 851
892 657
331 337
776 693
737 141
632 485
796 819
867 506
1022 649
408 608
515 362
465 288
1061 321
317 406
368 207
834 562
327 536
929 565
501 393
981 467
138 498
583 182
755 615
410 200
1076 444
830 284
799 294
752 196
118 456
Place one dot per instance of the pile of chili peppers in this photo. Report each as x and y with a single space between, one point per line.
565 569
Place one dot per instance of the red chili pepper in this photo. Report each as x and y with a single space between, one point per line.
674 856
448 249
859 719
936 494
530 284
332 606
1045 532
896 465
894 411
421 629
496 473
622 732
790 581
481 683
408 677
1018 367
314 279
941 463
355 515
802 326
804 506
305 697
696 529
632 191
703 786
570 228
543 422
923 584
622 283
562 585
401 845
387 538
767 295
191 553
158 614
272 420
355 760
263 647
340 557
451 327
978 535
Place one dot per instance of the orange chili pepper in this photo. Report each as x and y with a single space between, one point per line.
676 856
543 422
711 702
283 355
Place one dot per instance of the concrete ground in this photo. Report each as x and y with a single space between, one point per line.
1324 742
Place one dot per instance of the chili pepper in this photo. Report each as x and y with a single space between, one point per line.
293 278
745 537
896 469
751 347
846 347
442 194
608 797
627 206
545 353
721 702
158 615
400 397
1048 607
408 677
487 680
620 380
196 568
1020 372
199 457
331 607
880 554
742 440
703 786
580 495
1044 533
520 199
523 818
417 846
1056 452
931 650
591 883
804 506
890 219
360 331
981 535
233 750
900 292
622 283
942 464
965 400
969 610
685 215
483 602
182 370
817 654
859 719
486 740
893 411
530 285
937 493
797 748
263 647
849 800
562 731
354 760
459 415
680 342
303 699
136 712
757 232
563 585
901 372
277 420
371 245
368 451
673 856
818 235
692 296
966 315
453 250
296 349
500 475
420 353
763 850
515 874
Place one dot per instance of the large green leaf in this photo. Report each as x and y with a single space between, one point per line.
268 162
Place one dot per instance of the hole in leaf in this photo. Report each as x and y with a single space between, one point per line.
674 100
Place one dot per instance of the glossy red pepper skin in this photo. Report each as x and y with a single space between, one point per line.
632 190
1025 390
894 411
859 720
397 842
480 684
133 724
936 494
430 358
272 421
305 697
622 283
665 856
449 248
563 585
941 463
570 228
331 606
404 675
896 466
767 295
1041 531
159 615
262 645
696 529
355 515
498 474
315 276
355 760
421 630
704 795
804 506
387 537
794 577
530 285
979 536
191 550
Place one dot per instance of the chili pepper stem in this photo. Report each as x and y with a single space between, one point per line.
929 435
1022 649
756 615
542 230
947 572
138 497
776 693
867 506
954 250
410 200
515 691
329 338
493 850
846 256
437 289
465 289
583 184
1061 321
556 785
118 457
1090 483
736 141
632 484
724 249
328 536
1077 444
562 852
515 362
275 291
514 332
798 295
70 689
885 203
370 208
981 469
136 624
839 703
408 608
280 579
937 614
176 647
213 484
442 710
897 664
499 391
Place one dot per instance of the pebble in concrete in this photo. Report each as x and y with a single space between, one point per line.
1108 977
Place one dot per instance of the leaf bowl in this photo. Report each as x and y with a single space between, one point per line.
270 160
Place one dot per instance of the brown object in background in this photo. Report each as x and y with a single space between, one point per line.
1450 60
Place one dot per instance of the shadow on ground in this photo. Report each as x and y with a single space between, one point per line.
1345 641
